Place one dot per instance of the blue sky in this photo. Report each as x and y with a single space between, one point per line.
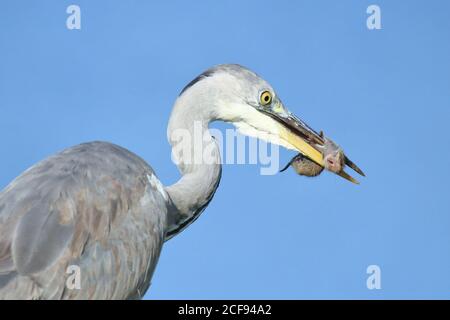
384 95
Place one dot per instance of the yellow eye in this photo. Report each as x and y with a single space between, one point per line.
266 98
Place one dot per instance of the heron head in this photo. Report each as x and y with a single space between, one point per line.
241 97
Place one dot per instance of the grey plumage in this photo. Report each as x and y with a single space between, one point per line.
102 209
90 205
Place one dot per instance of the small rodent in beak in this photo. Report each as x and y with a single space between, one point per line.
333 156
334 160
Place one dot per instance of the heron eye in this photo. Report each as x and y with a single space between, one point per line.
266 98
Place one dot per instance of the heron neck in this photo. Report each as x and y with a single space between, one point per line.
197 156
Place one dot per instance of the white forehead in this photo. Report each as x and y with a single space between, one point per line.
231 79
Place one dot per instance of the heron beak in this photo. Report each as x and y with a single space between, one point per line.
296 132
303 138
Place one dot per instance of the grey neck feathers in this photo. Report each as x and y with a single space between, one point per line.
197 156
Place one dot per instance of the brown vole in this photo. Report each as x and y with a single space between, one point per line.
334 161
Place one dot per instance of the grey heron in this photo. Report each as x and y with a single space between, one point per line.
102 208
